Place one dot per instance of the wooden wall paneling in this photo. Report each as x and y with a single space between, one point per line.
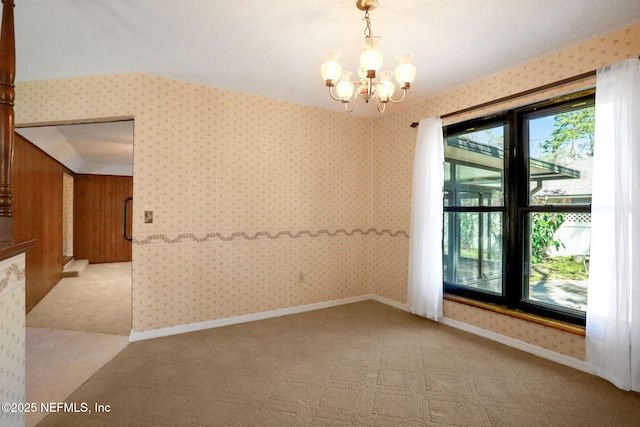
83 233
97 234
124 191
37 206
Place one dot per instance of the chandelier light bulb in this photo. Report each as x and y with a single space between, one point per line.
371 58
345 88
331 69
385 88
405 72
381 92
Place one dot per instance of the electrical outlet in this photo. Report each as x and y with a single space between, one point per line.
148 217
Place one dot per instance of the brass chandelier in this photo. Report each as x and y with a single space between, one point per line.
368 87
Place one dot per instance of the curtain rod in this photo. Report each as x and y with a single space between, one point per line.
517 95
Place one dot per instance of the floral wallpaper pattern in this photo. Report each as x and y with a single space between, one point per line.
67 215
12 336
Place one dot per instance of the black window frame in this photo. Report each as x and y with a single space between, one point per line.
516 206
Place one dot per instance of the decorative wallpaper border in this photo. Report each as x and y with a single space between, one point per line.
13 269
182 238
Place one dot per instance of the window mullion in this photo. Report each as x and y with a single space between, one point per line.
513 180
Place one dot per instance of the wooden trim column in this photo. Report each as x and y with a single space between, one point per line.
7 125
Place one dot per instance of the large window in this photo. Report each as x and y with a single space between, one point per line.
517 203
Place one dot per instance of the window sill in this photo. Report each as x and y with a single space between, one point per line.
556 324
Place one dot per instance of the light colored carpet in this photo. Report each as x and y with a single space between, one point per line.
58 362
98 301
362 364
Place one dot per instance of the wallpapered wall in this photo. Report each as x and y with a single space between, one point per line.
394 141
12 337
260 204
67 215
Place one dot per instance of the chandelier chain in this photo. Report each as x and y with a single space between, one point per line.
367 30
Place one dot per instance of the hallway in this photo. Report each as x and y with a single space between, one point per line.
99 301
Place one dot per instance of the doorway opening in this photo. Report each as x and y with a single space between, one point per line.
95 292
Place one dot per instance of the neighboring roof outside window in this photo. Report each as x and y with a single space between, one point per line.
571 188
492 157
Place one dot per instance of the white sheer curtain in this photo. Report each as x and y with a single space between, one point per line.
613 305
424 292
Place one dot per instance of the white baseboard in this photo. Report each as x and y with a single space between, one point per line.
520 345
389 302
511 342
216 323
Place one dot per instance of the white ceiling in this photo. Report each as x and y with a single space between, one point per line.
96 148
274 48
